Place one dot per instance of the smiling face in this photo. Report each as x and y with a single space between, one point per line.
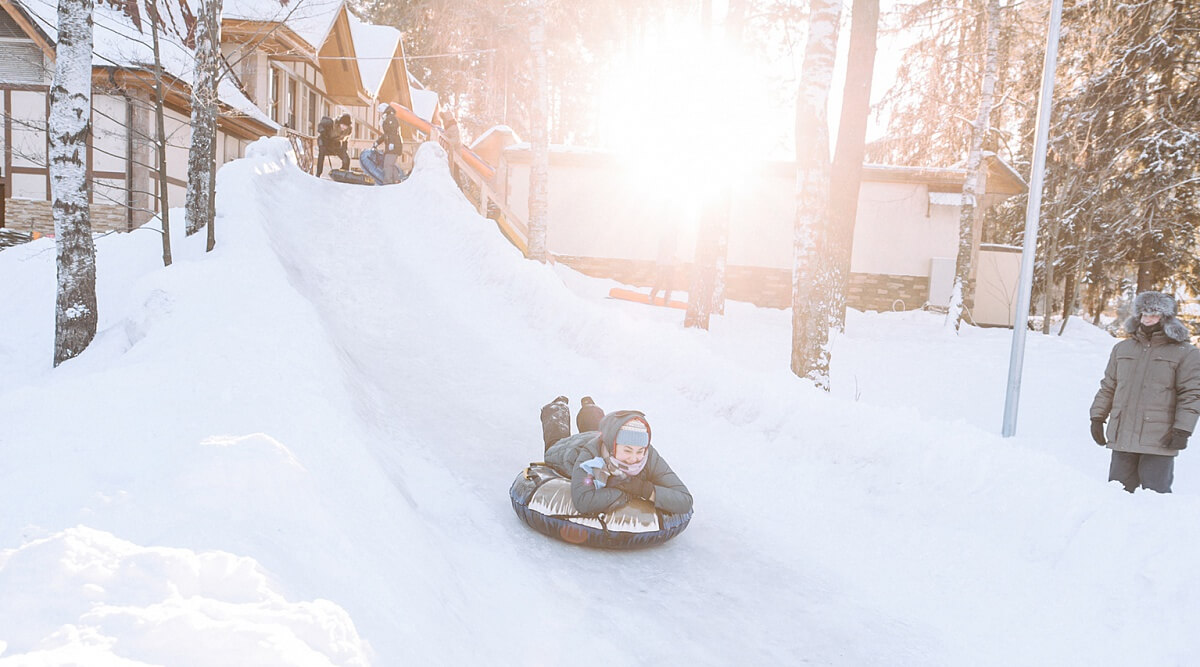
628 454
1150 320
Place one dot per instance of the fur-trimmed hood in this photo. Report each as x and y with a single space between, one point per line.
1158 303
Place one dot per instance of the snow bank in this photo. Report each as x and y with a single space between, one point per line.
96 591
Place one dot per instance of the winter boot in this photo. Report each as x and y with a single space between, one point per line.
589 415
556 420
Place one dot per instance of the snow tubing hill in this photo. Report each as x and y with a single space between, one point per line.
542 498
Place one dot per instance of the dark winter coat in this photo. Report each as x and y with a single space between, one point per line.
670 494
390 139
1151 384
330 135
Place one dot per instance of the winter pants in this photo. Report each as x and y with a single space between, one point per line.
556 422
1150 471
337 151
391 172
662 281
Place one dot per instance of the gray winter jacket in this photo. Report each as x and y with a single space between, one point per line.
670 494
1151 385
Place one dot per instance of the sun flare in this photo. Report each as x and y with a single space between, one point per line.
681 112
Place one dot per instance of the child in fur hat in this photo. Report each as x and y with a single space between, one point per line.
1150 396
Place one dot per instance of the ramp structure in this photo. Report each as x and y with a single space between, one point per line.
479 174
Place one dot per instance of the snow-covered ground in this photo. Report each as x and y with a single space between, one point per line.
297 450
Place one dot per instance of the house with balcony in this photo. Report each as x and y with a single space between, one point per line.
285 66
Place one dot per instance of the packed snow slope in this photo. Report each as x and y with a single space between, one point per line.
297 449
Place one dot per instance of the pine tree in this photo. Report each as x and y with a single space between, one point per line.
69 129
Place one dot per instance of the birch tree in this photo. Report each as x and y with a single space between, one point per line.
812 276
539 172
202 156
973 186
69 127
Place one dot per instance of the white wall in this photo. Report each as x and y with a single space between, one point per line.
598 210
898 232
996 286
109 133
601 212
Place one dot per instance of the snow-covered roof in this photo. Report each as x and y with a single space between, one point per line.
495 129
118 42
311 20
374 45
424 103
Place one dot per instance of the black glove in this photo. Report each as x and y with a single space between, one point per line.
1098 432
1178 439
638 488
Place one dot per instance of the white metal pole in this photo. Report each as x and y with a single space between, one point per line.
1033 208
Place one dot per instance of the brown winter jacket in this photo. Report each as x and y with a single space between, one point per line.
1151 385
670 494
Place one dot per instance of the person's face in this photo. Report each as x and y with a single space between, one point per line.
628 454
1150 320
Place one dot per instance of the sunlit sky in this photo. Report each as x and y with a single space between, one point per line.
682 99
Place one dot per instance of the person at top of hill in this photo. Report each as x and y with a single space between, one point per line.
390 143
331 140
1150 395
612 465
453 139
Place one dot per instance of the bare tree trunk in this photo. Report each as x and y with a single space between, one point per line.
201 155
846 176
1105 295
704 268
1070 295
971 190
539 172
735 21
1145 260
160 139
1048 283
69 127
811 276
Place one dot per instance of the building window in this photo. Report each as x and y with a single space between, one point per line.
292 105
312 112
276 91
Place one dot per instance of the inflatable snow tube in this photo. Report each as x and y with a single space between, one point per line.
372 163
542 498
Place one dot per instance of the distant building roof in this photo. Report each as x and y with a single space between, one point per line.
311 20
375 46
424 104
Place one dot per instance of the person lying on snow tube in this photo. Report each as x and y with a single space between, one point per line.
613 471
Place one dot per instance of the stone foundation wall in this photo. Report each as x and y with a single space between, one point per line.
32 215
769 288
870 291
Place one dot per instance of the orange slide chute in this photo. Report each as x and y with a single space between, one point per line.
407 115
